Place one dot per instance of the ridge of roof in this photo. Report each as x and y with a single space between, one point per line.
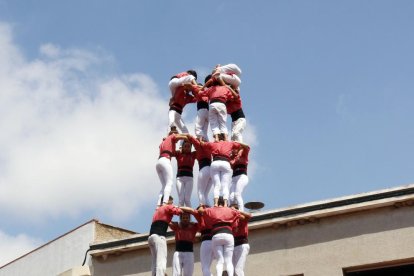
49 242
384 196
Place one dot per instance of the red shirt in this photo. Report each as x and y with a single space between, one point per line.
181 98
185 163
201 221
240 232
241 228
167 146
162 217
203 151
201 96
219 93
233 105
205 229
239 162
185 233
223 148
165 213
221 219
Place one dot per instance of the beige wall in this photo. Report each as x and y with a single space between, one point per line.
320 248
77 271
327 246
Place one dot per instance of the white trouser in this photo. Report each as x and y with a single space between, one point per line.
238 183
175 119
204 184
217 116
158 247
165 174
183 263
221 172
223 246
239 258
176 82
201 124
233 80
237 128
184 190
206 257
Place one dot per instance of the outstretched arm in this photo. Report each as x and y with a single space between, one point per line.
235 93
243 215
244 149
173 225
193 140
181 136
207 84
243 145
188 210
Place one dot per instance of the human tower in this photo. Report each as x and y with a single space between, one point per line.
222 166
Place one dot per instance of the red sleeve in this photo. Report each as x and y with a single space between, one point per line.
202 95
196 89
174 226
179 93
194 141
209 145
229 94
246 151
190 99
233 160
197 216
236 145
175 210
197 226
209 91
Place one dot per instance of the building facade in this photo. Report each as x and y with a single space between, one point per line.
369 234
366 234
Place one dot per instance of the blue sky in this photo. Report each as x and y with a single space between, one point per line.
326 86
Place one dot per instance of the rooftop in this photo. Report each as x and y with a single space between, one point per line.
290 216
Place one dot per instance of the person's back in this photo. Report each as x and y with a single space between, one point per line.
182 97
182 93
221 219
223 149
219 93
182 78
162 217
156 239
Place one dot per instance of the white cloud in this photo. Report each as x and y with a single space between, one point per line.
50 50
76 137
12 247
73 137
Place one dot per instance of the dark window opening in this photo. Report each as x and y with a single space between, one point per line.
401 270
